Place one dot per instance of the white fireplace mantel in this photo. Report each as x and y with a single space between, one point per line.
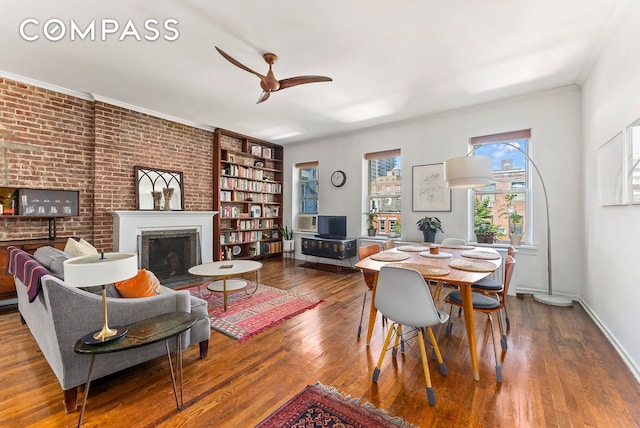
128 225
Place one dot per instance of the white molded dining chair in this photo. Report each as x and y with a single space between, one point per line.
403 296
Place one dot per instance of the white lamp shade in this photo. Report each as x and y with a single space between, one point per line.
468 172
99 269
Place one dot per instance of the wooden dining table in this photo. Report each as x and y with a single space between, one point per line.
428 265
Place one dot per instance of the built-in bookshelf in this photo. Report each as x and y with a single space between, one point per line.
248 197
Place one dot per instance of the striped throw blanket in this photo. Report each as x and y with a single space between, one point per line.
27 270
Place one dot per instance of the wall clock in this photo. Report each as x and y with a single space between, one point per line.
338 178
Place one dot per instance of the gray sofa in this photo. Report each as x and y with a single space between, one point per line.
60 315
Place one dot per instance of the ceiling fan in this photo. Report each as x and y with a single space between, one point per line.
269 83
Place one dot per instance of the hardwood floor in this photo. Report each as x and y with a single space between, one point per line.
559 371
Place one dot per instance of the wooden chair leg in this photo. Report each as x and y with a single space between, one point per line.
376 371
399 340
495 350
204 349
431 395
364 301
436 350
71 399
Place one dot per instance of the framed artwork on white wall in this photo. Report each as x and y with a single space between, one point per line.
429 190
633 162
611 183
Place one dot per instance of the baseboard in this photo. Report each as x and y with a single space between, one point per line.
635 370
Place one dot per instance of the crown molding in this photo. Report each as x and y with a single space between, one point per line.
100 98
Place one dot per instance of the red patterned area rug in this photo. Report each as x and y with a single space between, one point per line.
250 312
322 406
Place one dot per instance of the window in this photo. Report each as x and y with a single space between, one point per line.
507 199
384 188
308 187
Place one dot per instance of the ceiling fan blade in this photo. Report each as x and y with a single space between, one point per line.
301 80
263 97
239 64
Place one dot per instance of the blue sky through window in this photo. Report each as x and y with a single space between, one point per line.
500 151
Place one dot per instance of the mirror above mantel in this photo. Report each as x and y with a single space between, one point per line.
158 189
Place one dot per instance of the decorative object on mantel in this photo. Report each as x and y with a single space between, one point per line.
157 200
150 180
167 193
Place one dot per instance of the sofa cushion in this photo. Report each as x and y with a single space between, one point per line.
111 289
144 284
79 248
52 259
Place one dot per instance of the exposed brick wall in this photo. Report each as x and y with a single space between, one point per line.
93 147
124 139
60 128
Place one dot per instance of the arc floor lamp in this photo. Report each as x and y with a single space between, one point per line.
468 172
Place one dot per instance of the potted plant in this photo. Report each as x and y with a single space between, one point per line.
287 239
395 230
372 217
429 227
515 220
483 225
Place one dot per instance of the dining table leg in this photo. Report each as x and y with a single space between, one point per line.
373 311
467 308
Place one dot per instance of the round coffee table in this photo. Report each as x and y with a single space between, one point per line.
224 270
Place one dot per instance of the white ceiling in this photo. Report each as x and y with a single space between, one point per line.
388 63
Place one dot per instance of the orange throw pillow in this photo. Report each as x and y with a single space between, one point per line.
144 284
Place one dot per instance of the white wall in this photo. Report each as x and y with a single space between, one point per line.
553 116
611 101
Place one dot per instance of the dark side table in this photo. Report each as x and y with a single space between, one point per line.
143 333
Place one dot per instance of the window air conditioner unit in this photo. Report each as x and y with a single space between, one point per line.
307 223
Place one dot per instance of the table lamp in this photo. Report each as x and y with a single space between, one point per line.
101 269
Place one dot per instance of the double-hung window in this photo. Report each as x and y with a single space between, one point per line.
384 189
308 187
507 198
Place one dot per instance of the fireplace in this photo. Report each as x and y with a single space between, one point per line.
172 241
169 254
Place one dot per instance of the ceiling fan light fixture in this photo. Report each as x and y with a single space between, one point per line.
268 82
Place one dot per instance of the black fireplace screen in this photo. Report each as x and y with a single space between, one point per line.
169 254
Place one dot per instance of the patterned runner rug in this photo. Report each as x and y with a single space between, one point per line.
248 312
322 406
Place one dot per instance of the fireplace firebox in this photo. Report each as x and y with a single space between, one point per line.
169 254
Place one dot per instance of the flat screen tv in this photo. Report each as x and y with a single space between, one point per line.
332 226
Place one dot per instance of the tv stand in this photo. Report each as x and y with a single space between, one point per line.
338 249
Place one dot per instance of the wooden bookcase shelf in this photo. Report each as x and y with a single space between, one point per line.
248 196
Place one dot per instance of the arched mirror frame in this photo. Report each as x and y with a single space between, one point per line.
149 180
